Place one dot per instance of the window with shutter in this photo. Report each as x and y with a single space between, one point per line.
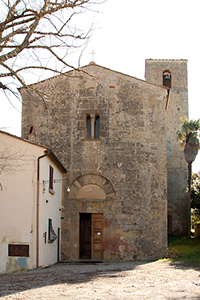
51 180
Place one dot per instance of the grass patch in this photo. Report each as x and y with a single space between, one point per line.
187 249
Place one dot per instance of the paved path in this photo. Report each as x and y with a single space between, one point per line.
126 280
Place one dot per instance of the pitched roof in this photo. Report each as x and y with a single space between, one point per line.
96 65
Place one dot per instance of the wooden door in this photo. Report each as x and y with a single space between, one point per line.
97 237
85 236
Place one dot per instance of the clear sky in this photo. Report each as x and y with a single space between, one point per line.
128 32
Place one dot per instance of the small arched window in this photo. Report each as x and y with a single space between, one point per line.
167 78
31 134
97 127
92 126
88 126
32 129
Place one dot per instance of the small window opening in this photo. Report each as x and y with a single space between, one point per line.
32 129
31 134
92 126
97 127
88 125
167 78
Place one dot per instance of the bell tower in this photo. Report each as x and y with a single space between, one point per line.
172 74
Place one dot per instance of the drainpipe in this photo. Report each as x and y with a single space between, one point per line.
37 208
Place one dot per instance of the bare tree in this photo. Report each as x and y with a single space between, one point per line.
38 35
13 161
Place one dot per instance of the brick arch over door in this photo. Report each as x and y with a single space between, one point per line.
94 184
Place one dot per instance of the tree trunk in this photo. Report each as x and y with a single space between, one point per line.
189 194
190 152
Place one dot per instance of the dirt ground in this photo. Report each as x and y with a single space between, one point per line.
100 281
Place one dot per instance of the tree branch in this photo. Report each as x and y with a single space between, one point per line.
25 30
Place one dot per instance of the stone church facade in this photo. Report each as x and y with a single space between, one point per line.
116 135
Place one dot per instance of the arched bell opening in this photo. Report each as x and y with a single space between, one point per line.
167 78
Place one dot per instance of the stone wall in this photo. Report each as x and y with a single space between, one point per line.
127 164
177 107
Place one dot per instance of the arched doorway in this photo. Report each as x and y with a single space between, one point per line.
93 195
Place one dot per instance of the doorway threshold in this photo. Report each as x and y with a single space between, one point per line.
89 261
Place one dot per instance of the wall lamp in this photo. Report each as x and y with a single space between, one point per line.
68 187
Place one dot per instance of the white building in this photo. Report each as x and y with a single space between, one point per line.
31 180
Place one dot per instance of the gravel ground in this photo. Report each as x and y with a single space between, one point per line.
100 281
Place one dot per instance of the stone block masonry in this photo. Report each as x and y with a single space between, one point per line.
118 180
